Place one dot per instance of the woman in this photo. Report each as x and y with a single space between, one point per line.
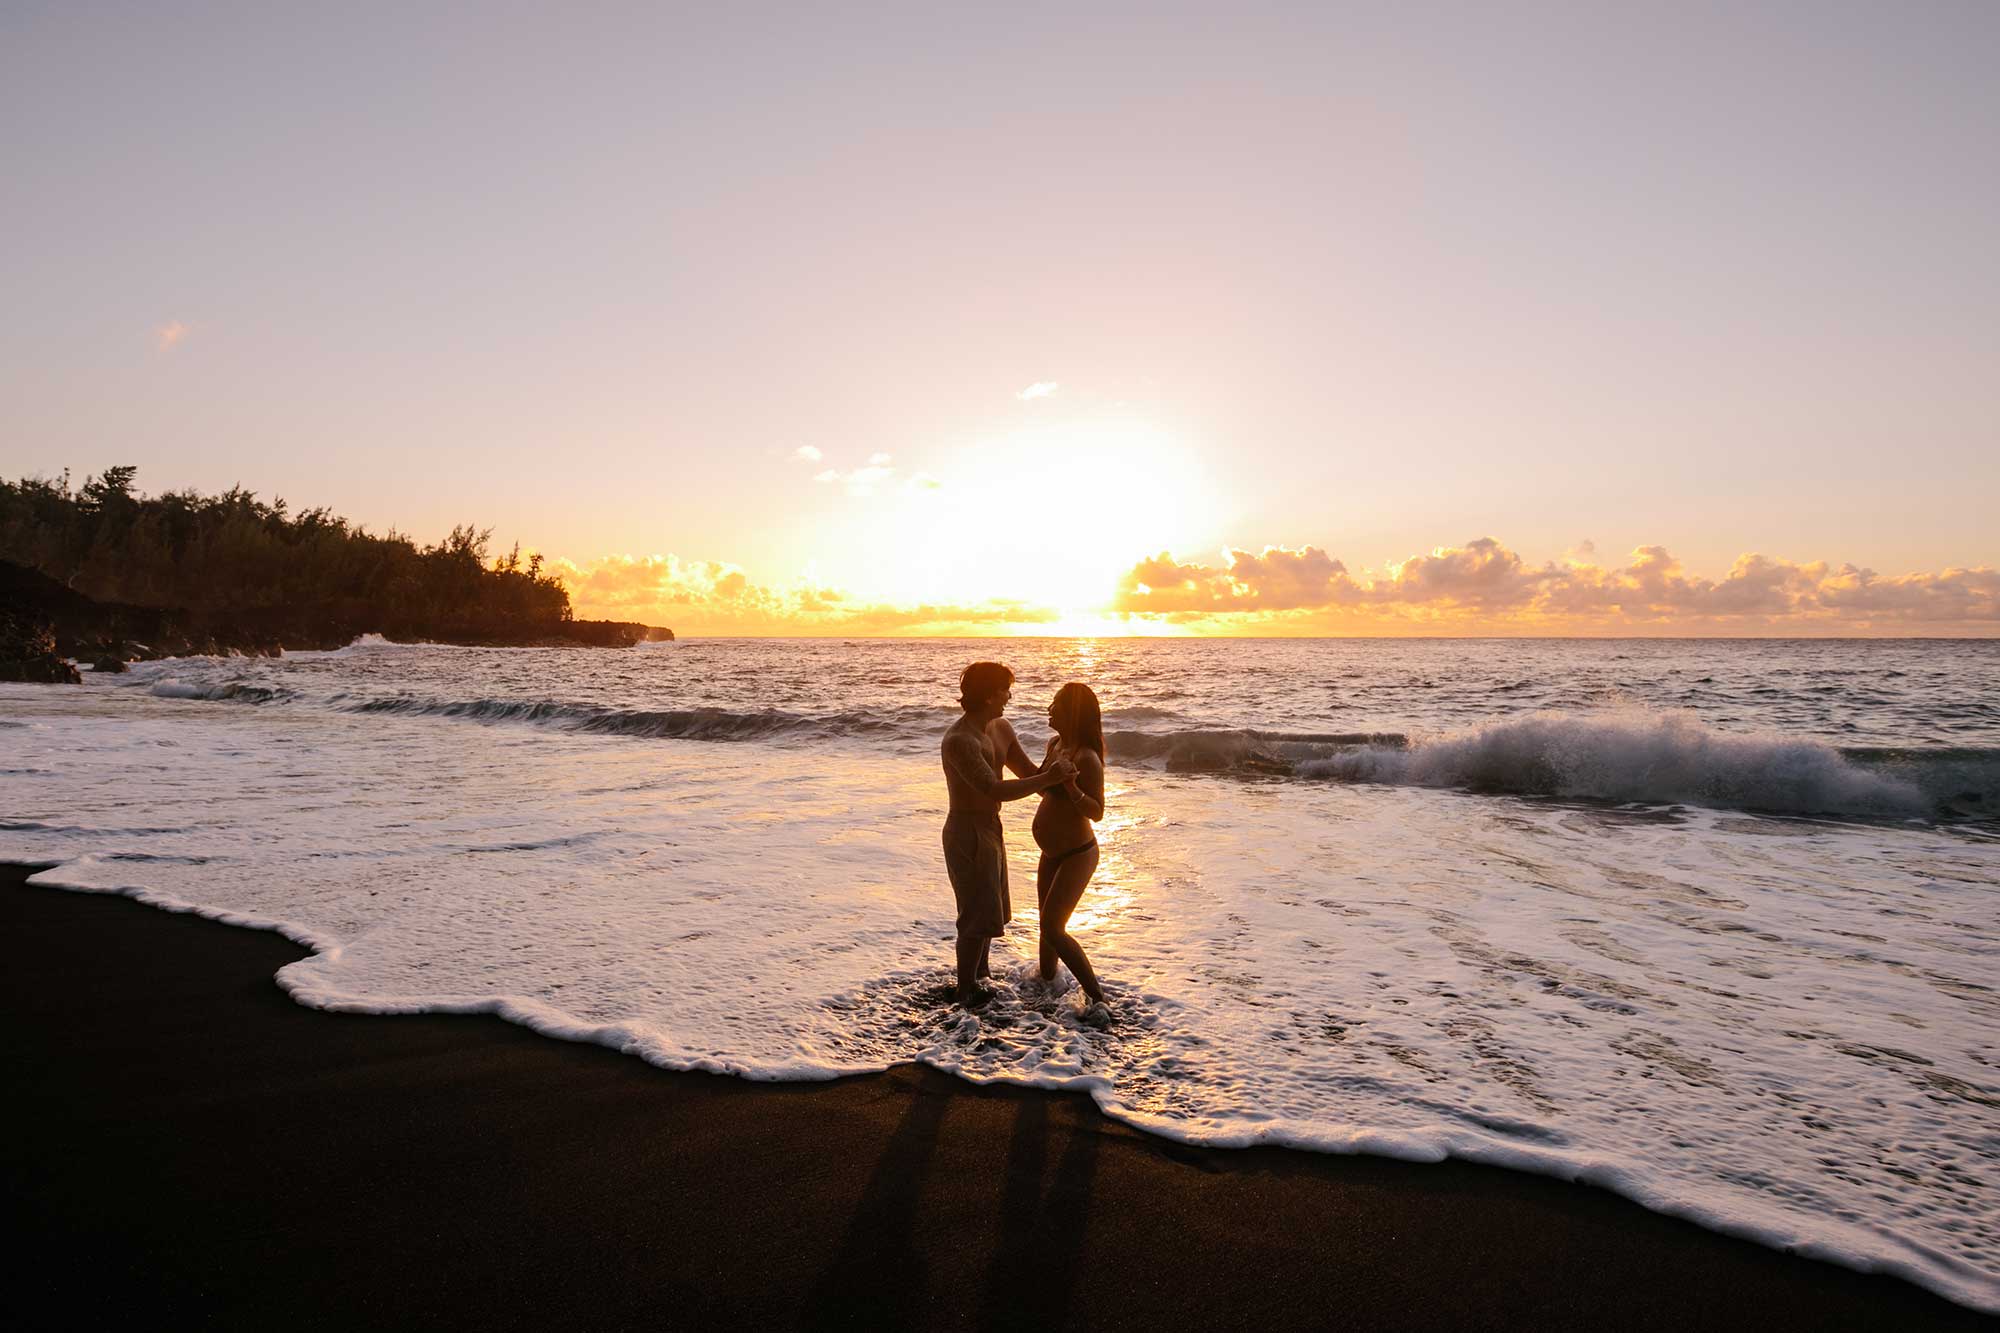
1063 830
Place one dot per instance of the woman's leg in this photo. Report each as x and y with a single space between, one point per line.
1045 876
1065 890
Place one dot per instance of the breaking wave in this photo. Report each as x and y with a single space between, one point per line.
1673 758
366 643
1666 758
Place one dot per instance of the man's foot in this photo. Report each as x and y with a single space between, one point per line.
975 998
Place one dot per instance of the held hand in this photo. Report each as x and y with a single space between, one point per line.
1064 770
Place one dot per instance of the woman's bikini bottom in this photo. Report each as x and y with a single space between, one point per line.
1051 862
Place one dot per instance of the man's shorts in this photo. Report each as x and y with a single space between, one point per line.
976 859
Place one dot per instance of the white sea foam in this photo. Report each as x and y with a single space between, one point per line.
1778 1027
369 643
1635 757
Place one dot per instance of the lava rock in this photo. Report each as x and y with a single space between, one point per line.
28 650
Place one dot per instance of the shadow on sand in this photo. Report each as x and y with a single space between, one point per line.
879 1275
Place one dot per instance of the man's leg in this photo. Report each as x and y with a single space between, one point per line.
971 952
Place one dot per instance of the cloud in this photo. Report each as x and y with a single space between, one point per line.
1483 585
808 453
1955 595
1039 389
716 597
863 480
1480 587
1275 579
1481 573
168 336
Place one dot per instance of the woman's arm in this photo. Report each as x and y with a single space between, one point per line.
1087 787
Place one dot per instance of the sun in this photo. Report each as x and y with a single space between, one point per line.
1051 516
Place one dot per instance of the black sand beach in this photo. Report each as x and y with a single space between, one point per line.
187 1145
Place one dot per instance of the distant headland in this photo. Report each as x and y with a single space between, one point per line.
103 574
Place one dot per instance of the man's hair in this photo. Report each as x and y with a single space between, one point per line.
981 681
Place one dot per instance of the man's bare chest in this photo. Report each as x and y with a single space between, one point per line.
994 740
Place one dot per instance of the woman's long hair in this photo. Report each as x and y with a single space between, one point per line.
1077 718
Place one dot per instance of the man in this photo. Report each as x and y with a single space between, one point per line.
976 749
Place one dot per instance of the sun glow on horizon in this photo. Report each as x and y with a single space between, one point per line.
1047 516
1099 625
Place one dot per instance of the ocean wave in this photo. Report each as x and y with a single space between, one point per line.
699 724
1674 758
236 691
1208 751
373 642
1626 756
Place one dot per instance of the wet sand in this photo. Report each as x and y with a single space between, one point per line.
186 1144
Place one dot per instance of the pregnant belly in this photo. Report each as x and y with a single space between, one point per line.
1059 826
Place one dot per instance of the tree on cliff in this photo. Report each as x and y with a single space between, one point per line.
232 557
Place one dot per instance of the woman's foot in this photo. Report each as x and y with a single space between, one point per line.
975 998
1097 1013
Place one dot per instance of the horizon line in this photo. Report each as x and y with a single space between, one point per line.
680 636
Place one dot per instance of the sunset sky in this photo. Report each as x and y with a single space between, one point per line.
1428 318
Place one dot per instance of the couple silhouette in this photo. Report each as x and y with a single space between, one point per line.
978 750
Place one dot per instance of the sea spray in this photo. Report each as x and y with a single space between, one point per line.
1634 757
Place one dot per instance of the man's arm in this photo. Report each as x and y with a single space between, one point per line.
967 757
1017 758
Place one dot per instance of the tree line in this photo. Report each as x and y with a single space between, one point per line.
260 569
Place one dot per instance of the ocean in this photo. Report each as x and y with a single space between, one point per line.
1712 924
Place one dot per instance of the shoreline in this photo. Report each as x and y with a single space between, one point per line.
188 1140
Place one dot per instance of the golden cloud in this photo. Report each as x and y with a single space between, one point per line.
1278 579
714 597
1483 586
